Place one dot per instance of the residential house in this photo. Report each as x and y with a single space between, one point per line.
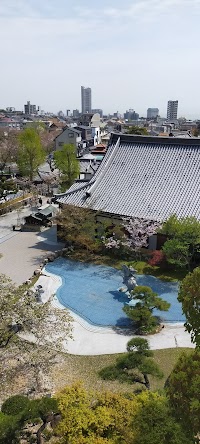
68 135
86 133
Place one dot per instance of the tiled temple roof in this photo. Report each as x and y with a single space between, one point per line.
145 177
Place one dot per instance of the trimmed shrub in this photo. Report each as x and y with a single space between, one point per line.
15 405
157 258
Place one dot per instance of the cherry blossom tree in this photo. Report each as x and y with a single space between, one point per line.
135 235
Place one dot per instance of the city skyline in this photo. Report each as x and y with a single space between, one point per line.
136 56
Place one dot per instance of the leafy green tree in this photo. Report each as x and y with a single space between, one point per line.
140 131
31 153
183 389
22 410
189 296
142 312
9 428
135 366
154 422
78 226
67 162
176 252
184 240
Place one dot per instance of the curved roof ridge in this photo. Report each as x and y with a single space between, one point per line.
67 193
104 169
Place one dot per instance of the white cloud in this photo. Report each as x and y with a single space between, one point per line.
153 8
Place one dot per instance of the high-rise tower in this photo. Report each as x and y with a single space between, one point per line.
86 100
172 109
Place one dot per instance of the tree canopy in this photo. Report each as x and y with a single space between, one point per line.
154 423
67 162
183 389
94 418
77 416
78 227
189 296
89 417
184 240
140 131
31 153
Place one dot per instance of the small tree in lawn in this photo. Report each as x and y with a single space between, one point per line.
67 162
142 313
30 154
134 366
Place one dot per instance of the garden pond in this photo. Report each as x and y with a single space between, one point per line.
92 292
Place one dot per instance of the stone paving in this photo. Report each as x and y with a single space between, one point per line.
23 252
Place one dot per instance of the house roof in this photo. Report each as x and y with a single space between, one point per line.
143 176
84 127
70 129
88 166
46 211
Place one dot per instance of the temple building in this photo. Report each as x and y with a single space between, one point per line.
144 177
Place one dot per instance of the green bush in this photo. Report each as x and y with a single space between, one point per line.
9 426
40 409
15 405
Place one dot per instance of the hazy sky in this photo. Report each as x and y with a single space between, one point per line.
132 53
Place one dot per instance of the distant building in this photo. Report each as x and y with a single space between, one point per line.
90 119
10 109
98 111
61 114
152 113
30 109
172 110
131 115
76 113
86 100
68 112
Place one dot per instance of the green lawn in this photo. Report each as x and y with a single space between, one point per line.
86 368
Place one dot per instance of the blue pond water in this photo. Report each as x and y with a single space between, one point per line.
92 292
